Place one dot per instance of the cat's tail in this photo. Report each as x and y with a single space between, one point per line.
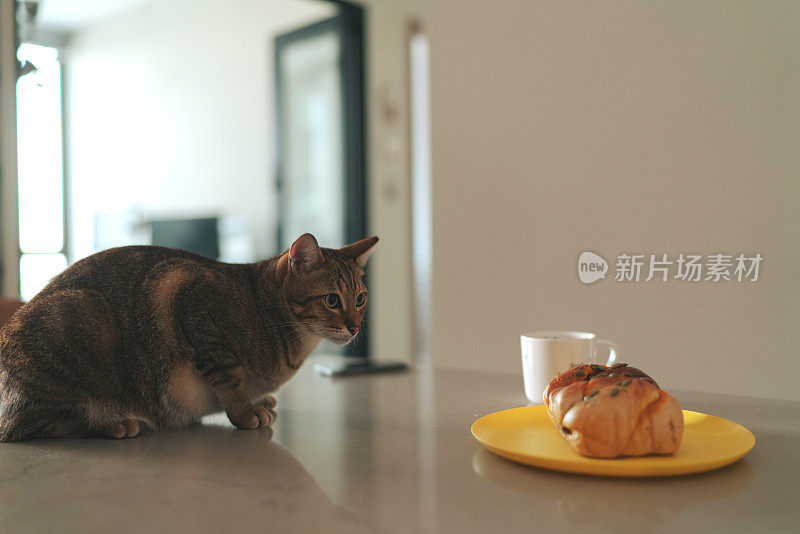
10 433
10 430
23 420
9 402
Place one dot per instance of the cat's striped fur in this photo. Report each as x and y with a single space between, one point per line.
146 338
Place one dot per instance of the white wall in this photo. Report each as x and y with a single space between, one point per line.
170 107
645 127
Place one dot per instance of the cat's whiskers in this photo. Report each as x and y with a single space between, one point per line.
298 335
358 337
293 325
297 340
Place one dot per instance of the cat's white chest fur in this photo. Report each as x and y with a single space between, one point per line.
306 346
189 392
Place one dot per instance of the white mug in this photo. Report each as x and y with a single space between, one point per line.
545 355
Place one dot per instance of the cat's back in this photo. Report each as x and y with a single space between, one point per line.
117 269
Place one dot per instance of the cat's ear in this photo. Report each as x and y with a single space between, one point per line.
360 250
304 254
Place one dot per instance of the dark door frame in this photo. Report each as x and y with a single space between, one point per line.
349 24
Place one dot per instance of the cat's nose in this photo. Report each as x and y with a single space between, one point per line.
353 330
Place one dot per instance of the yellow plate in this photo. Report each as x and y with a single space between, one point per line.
526 435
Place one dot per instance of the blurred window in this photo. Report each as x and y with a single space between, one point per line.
40 168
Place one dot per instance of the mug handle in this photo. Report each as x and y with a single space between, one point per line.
612 350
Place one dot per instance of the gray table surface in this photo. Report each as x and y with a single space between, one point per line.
388 453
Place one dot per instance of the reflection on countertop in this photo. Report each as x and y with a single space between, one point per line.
204 478
389 453
603 501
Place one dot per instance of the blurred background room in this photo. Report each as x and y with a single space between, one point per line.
488 144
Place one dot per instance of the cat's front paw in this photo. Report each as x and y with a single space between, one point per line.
254 417
269 402
127 428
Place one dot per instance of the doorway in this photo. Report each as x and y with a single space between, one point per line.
320 152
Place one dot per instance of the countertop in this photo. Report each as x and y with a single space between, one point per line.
387 453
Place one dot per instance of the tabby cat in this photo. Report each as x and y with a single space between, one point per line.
144 338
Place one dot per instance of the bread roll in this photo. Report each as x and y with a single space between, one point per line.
607 412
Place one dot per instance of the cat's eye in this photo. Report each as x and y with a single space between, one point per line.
331 300
361 299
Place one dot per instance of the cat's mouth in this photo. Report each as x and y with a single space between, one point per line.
340 337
